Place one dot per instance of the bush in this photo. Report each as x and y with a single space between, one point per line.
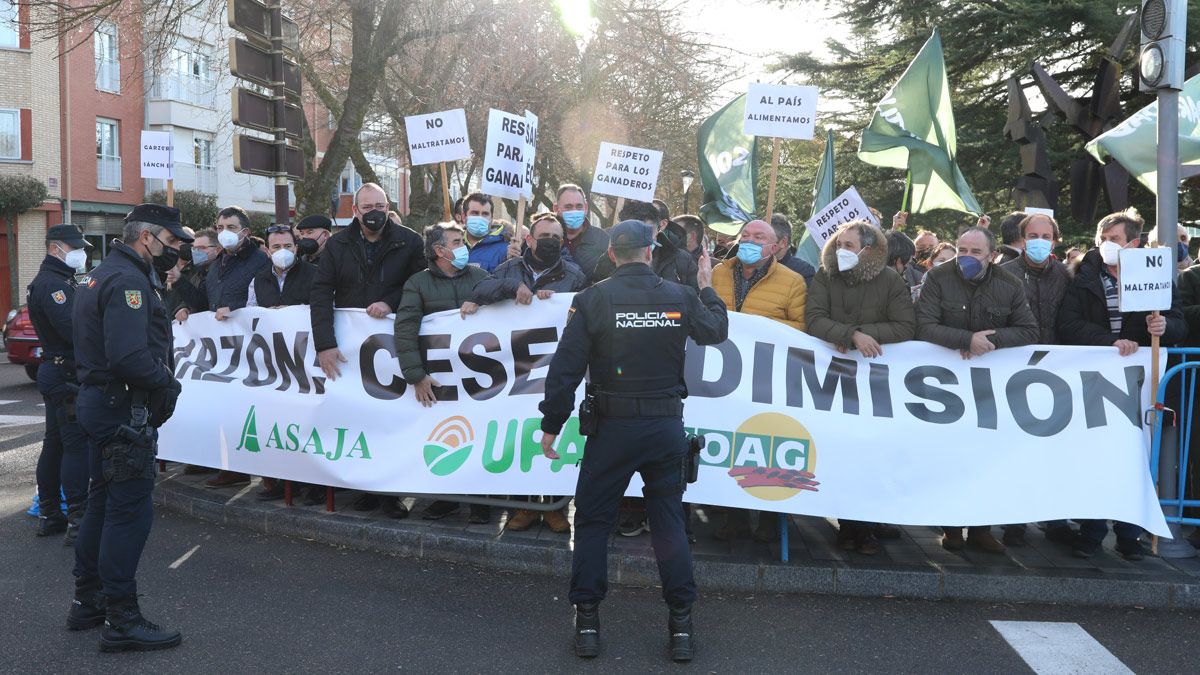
18 194
197 210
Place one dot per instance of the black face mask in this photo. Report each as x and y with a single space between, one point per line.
169 257
547 251
374 220
307 247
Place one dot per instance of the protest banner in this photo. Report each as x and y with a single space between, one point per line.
158 160
779 111
626 172
437 138
915 436
504 156
844 208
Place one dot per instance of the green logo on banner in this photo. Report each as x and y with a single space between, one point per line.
449 446
331 445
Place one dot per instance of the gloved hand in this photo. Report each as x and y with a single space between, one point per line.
162 402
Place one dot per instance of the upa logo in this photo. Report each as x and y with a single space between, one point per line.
449 446
771 456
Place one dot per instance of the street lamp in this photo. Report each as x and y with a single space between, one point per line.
688 178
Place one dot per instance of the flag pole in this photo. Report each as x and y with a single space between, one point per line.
771 185
907 190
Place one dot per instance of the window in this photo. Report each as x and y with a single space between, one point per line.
10 134
201 68
108 67
202 152
108 155
9 26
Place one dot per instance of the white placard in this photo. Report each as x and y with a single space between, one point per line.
781 111
846 207
1146 278
1036 211
504 156
624 171
157 155
531 131
437 137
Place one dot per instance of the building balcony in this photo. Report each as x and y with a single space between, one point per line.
108 75
108 173
185 89
188 177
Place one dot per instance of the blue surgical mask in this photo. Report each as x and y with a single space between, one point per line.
574 219
1181 251
970 267
749 252
478 226
461 256
1038 249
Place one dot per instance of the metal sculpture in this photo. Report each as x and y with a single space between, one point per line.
1036 186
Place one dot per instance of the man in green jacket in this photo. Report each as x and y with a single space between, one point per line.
447 284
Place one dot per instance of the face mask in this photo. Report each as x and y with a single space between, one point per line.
1110 253
307 247
478 226
547 251
574 219
1181 252
76 259
749 252
461 256
283 258
970 267
199 258
846 260
163 262
374 220
1037 250
228 240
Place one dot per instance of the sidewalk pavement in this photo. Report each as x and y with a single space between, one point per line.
914 566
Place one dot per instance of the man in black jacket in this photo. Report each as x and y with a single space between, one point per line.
240 259
312 233
365 265
288 281
671 261
1090 315
186 293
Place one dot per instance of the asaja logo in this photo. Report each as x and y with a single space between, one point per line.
449 446
340 443
771 456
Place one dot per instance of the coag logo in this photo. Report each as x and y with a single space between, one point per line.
449 446
771 456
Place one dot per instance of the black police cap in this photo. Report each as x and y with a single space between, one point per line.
631 234
67 234
157 214
316 222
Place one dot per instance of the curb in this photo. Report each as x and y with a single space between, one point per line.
916 582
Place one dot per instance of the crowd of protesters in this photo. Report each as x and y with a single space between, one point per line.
981 292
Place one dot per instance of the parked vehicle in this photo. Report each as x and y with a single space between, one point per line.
21 341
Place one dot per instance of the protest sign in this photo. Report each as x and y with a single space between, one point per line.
626 172
915 436
1035 211
1146 278
844 208
157 159
437 137
781 111
504 156
531 130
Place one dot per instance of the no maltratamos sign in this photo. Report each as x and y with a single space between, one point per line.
780 111
437 137
844 208
624 171
1146 278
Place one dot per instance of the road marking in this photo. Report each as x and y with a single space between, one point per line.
183 558
1052 648
241 493
21 420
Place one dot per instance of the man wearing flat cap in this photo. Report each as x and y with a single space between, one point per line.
311 234
122 335
63 462
629 332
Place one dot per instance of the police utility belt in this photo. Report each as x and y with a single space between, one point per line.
132 452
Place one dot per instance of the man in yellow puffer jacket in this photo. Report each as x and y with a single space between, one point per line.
753 283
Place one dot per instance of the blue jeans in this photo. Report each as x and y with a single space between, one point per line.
64 459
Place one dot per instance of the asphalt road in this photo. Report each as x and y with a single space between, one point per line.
247 603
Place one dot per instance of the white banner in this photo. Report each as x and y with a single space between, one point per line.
624 171
504 156
916 436
844 208
437 137
156 155
780 110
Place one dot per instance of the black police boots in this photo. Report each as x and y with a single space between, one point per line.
87 608
126 629
587 629
679 625
51 521
74 517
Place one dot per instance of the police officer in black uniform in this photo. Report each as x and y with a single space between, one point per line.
629 331
64 460
124 363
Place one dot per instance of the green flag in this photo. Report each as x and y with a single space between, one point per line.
823 193
913 129
1134 142
727 171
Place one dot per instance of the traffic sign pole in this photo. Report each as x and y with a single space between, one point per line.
281 181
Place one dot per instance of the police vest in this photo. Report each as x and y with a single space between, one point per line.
639 336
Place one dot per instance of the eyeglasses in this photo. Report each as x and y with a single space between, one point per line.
382 206
276 229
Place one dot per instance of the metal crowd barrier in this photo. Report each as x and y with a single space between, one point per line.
1173 438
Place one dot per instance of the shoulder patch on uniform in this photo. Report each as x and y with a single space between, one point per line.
88 281
570 312
133 299
58 297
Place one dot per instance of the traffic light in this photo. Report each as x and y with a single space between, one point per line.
1162 23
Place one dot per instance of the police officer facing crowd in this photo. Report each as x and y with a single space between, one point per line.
64 460
630 331
123 352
